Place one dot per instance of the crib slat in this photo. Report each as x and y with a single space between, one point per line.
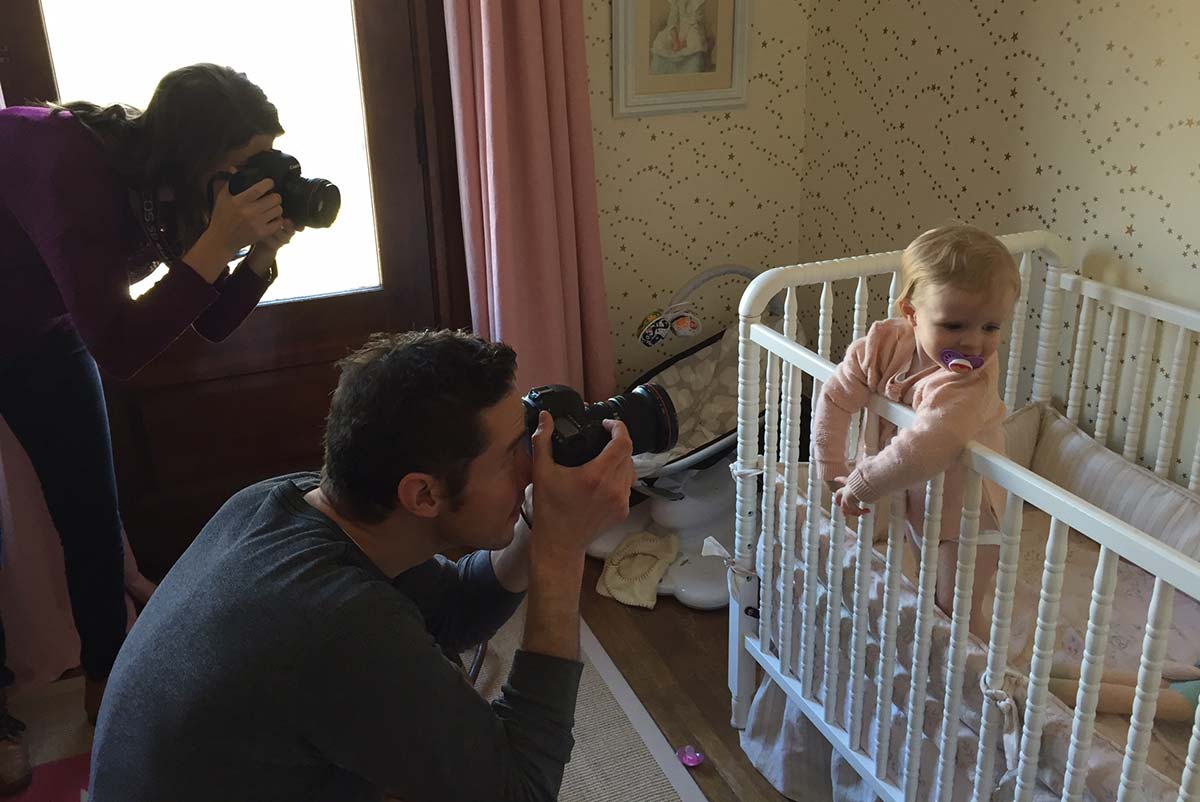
1048 340
779 445
1079 360
837 546
1170 424
1043 653
997 659
770 502
964 585
1137 404
825 323
812 530
931 540
894 293
1189 784
1083 726
833 611
1141 723
862 299
891 621
779 438
742 593
862 595
1194 482
1016 341
790 448
1113 352
810 546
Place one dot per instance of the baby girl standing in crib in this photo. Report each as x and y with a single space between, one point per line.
959 285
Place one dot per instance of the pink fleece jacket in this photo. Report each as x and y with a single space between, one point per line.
952 409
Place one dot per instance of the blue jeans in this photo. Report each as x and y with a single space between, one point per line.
51 398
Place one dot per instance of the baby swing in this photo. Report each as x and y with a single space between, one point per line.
688 490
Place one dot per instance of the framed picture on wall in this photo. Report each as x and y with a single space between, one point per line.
672 56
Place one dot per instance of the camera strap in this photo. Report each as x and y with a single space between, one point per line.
152 224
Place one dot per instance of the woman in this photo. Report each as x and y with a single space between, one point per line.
92 199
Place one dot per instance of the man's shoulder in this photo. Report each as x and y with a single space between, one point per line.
281 496
303 481
269 551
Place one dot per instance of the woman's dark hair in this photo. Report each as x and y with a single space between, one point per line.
196 115
409 403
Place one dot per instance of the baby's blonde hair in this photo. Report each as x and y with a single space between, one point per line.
956 255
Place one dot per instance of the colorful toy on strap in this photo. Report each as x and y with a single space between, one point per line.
959 363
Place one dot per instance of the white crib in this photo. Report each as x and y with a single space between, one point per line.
774 587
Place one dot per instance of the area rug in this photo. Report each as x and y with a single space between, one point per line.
620 755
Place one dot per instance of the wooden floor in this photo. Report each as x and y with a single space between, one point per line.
675 660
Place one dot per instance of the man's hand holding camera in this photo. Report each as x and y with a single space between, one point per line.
573 505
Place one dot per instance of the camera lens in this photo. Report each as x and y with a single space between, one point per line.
317 202
647 413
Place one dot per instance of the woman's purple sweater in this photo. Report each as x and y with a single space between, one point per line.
67 234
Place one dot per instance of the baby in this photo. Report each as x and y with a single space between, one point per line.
959 285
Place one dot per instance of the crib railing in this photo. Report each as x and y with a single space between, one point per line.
753 623
1149 316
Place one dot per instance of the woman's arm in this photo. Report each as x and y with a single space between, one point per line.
76 213
242 291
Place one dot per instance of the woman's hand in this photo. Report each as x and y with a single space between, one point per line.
247 217
237 221
262 255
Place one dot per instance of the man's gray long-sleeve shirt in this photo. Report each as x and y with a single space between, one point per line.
275 662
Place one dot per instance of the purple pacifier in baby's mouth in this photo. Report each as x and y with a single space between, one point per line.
960 363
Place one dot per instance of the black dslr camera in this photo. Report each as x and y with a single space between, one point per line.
579 435
311 202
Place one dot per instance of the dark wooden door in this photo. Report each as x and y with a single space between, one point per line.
205 420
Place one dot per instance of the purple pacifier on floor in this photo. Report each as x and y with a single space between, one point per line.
689 757
960 363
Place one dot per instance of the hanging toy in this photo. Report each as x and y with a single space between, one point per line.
689 757
684 320
960 363
654 329
679 317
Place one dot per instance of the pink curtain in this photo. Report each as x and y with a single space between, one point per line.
528 187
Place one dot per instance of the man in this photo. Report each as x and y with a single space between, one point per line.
295 650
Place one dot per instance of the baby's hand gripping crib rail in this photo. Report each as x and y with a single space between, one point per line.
754 629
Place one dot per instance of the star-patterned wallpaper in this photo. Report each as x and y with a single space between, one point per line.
681 193
869 121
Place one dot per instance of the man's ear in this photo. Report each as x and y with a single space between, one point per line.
420 494
908 311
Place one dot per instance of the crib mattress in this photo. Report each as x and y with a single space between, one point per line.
1134 587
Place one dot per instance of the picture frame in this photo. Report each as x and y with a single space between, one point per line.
677 56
